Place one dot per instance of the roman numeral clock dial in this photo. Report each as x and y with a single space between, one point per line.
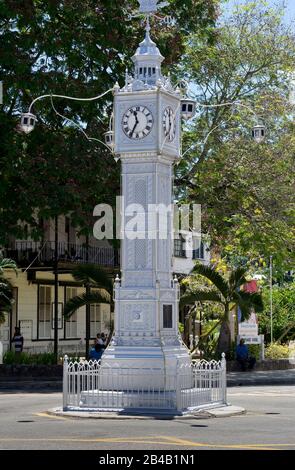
137 122
169 124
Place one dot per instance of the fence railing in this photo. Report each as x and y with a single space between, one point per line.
25 252
93 385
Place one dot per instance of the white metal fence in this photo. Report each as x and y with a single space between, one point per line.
90 385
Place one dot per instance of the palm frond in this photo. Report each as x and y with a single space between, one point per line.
94 275
237 277
7 263
213 276
248 301
200 295
101 297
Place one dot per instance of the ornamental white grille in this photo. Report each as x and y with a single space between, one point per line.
92 386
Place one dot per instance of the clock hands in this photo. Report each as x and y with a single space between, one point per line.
136 122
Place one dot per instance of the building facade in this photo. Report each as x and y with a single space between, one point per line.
33 308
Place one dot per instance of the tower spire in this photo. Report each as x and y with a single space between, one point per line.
148 59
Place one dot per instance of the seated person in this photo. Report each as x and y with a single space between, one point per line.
96 352
243 358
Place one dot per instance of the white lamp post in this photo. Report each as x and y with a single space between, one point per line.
271 300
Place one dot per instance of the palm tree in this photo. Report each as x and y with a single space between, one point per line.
6 288
227 292
91 276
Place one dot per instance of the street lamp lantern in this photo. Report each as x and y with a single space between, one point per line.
188 108
109 139
28 121
259 133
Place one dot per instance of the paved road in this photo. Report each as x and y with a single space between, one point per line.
268 424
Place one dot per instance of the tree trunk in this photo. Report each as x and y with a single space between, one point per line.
224 339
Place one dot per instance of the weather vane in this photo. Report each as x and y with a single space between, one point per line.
148 7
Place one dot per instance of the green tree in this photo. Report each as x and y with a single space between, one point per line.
6 288
245 189
226 291
92 277
283 313
68 48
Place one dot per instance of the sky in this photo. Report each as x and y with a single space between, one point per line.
290 6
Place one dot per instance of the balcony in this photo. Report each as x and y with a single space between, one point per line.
26 252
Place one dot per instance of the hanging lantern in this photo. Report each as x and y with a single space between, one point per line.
259 133
109 139
188 108
27 122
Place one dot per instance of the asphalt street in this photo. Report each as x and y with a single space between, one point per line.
268 424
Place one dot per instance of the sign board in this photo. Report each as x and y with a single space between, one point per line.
26 328
249 327
251 339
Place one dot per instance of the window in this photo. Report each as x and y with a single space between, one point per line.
199 253
44 308
167 316
95 320
71 323
179 252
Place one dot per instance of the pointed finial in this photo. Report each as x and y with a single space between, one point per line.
148 26
116 87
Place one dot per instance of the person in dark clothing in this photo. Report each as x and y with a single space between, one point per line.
243 358
96 352
18 340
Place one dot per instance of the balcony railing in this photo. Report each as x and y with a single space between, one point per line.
24 253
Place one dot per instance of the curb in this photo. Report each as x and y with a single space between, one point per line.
220 412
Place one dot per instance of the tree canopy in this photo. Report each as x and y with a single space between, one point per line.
77 49
245 189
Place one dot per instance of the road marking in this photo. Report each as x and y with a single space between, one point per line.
177 441
162 440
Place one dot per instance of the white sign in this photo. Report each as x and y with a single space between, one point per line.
248 329
251 339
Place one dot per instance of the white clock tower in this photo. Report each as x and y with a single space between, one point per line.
147 136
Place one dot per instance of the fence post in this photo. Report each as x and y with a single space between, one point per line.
178 387
65 383
223 379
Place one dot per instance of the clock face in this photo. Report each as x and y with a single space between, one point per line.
137 122
169 124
